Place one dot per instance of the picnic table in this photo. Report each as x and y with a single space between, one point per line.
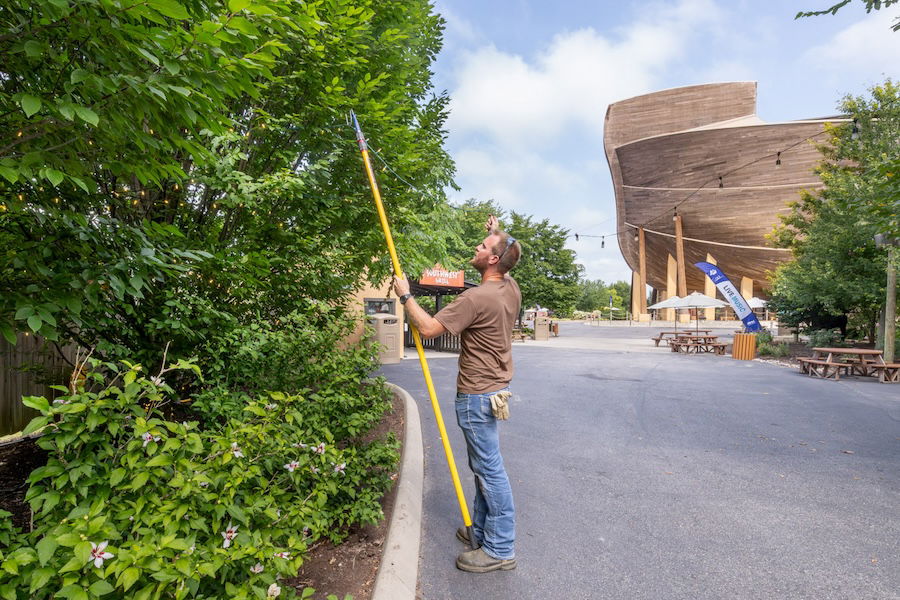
673 334
696 343
829 363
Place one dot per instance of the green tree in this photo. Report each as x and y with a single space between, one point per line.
172 169
547 272
837 270
592 295
870 6
467 231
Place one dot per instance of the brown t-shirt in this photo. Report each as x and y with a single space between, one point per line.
483 317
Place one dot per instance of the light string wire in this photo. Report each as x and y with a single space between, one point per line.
703 186
778 155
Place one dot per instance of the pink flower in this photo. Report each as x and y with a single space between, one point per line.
99 553
320 449
229 534
339 469
236 450
284 555
148 437
274 591
256 569
291 466
271 406
299 445
314 469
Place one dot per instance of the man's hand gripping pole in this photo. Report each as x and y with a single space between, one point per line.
398 271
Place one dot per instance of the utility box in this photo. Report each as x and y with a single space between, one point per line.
541 328
744 346
388 333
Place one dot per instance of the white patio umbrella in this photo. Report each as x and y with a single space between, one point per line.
698 300
667 303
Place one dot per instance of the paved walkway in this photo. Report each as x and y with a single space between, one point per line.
643 474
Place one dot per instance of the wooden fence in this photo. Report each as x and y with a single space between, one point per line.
28 369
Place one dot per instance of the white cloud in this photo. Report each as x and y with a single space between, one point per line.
868 49
571 82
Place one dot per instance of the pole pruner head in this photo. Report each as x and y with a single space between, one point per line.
360 138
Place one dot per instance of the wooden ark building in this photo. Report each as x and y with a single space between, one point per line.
698 176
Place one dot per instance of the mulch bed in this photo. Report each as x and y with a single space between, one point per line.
349 568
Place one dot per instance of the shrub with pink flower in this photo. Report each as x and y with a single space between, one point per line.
99 553
229 534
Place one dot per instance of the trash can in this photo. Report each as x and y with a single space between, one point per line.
541 328
388 333
744 346
554 328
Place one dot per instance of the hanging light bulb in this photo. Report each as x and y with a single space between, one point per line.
778 161
636 236
576 237
854 133
721 183
675 214
603 242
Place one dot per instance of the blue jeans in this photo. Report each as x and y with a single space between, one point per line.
494 516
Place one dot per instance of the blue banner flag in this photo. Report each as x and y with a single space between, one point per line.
740 306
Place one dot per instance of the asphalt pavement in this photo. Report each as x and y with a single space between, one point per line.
643 474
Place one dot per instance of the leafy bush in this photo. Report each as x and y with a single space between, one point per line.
828 338
764 336
143 507
774 349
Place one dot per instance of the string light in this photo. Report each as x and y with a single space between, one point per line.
721 183
778 161
603 242
854 132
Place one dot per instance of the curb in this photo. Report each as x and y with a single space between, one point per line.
399 571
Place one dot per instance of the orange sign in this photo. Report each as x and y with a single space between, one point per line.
441 276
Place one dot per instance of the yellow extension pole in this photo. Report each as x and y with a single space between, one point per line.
398 271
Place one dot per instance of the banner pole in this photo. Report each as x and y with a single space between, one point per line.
398 271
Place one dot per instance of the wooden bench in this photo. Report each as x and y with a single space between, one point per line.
822 368
518 335
659 339
887 372
718 347
686 347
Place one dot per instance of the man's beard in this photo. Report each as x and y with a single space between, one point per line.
478 267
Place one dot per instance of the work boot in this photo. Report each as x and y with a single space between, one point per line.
462 534
479 561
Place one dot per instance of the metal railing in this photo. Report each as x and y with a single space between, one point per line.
446 342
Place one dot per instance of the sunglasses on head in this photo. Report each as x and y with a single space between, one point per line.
510 240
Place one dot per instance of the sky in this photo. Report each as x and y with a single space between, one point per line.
530 81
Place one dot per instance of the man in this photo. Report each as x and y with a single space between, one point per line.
483 317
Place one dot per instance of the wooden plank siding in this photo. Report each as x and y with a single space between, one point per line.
662 147
28 369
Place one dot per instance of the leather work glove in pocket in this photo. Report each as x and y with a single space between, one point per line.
500 405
